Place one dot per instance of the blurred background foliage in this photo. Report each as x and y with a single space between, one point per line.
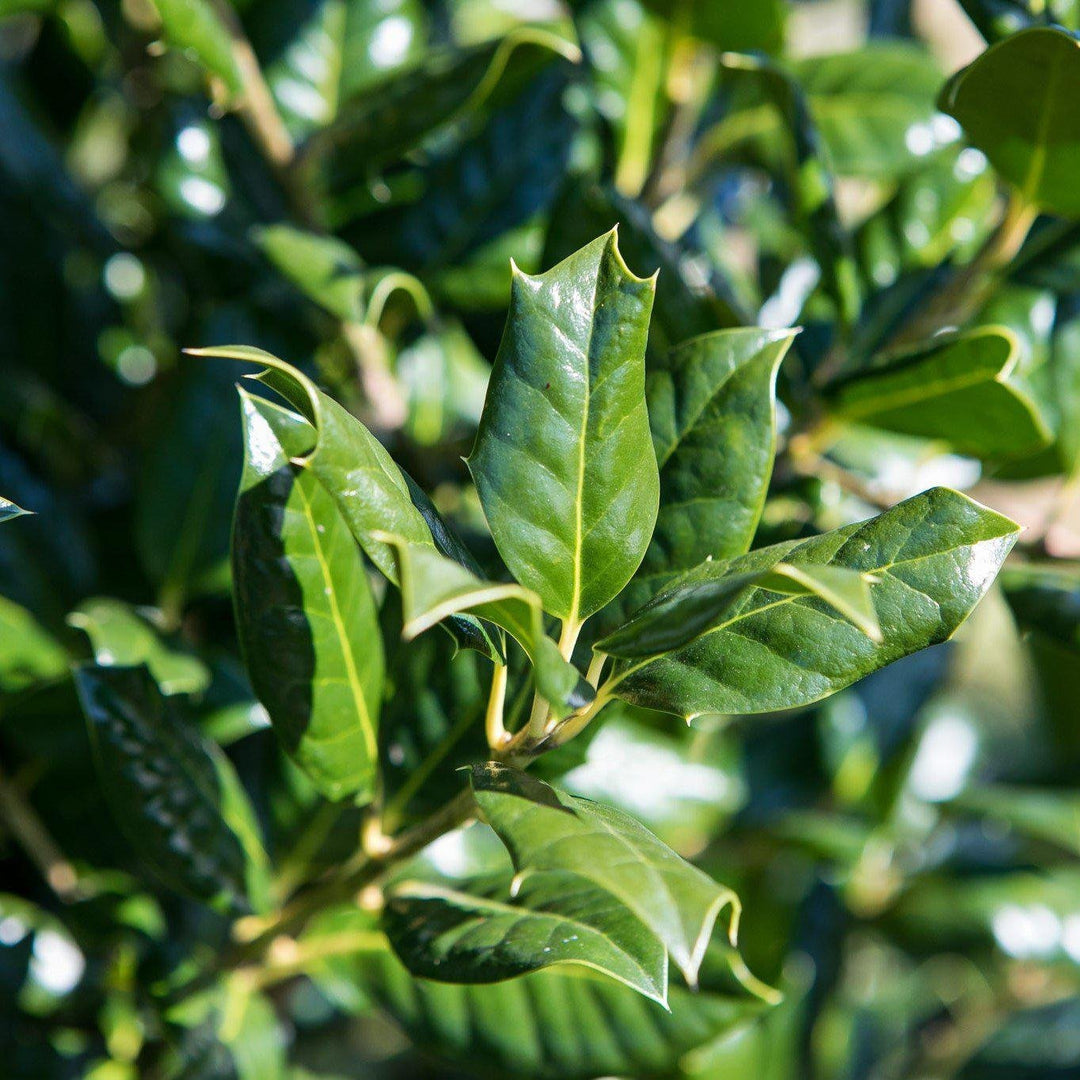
343 182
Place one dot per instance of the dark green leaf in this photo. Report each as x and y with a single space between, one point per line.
452 936
954 389
571 511
122 637
172 792
935 555
730 24
193 27
305 614
1046 598
1015 104
551 833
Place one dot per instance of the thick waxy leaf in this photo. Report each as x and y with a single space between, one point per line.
703 599
28 653
548 832
305 614
8 510
875 107
956 390
121 637
1015 104
934 555
371 493
174 795
563 462
193 27
712 410
562 1023
686 306
452 936
323 268
434 587
395 116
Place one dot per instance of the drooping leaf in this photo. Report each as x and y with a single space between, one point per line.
934 555
712 410
193 27
434 587
703 599
563 462
305 614
395 116
454 936
956 389
29 654
550 833
1032 74
170 790
371 493
122 637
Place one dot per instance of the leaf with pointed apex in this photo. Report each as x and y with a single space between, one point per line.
563 461
1015 103
121 637
305 615
434 587
372 494
934 555
174 794
454 936
712 410
700 600
548 832
193 27
955 389
9 510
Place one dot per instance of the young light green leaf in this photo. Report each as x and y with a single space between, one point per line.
934 556
29 654
121 637
193 27
372 494
955 389
563 461
1014 102
453 936
172 792
305 615
703 598
434 587
548 832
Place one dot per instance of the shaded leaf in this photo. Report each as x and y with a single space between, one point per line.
193 27
571 515
955 389
305 615
935 555
29 654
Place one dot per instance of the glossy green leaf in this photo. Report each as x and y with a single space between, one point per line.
703 600
712 410
550 833
434 587
342 49
9 510
122 637
571 509
29 654
875 108
305 615
934 555
326 270
371 493
453 936
193 27
562 1023
171 791
1015 104
955 389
